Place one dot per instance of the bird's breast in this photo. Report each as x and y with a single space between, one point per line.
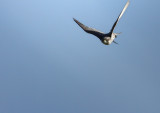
107 40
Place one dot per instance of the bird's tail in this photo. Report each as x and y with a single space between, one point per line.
117 34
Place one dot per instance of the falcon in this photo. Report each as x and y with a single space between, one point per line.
106 38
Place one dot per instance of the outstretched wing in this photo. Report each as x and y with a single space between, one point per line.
89 30
125 7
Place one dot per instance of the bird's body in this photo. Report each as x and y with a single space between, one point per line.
106 38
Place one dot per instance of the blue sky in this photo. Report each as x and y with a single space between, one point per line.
49 65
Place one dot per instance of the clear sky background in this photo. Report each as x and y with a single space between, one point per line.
48 64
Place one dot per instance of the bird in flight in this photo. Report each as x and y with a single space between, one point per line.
106 38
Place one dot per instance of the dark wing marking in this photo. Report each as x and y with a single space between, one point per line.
89 30
125 7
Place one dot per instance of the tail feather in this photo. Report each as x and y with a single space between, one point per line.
117 33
